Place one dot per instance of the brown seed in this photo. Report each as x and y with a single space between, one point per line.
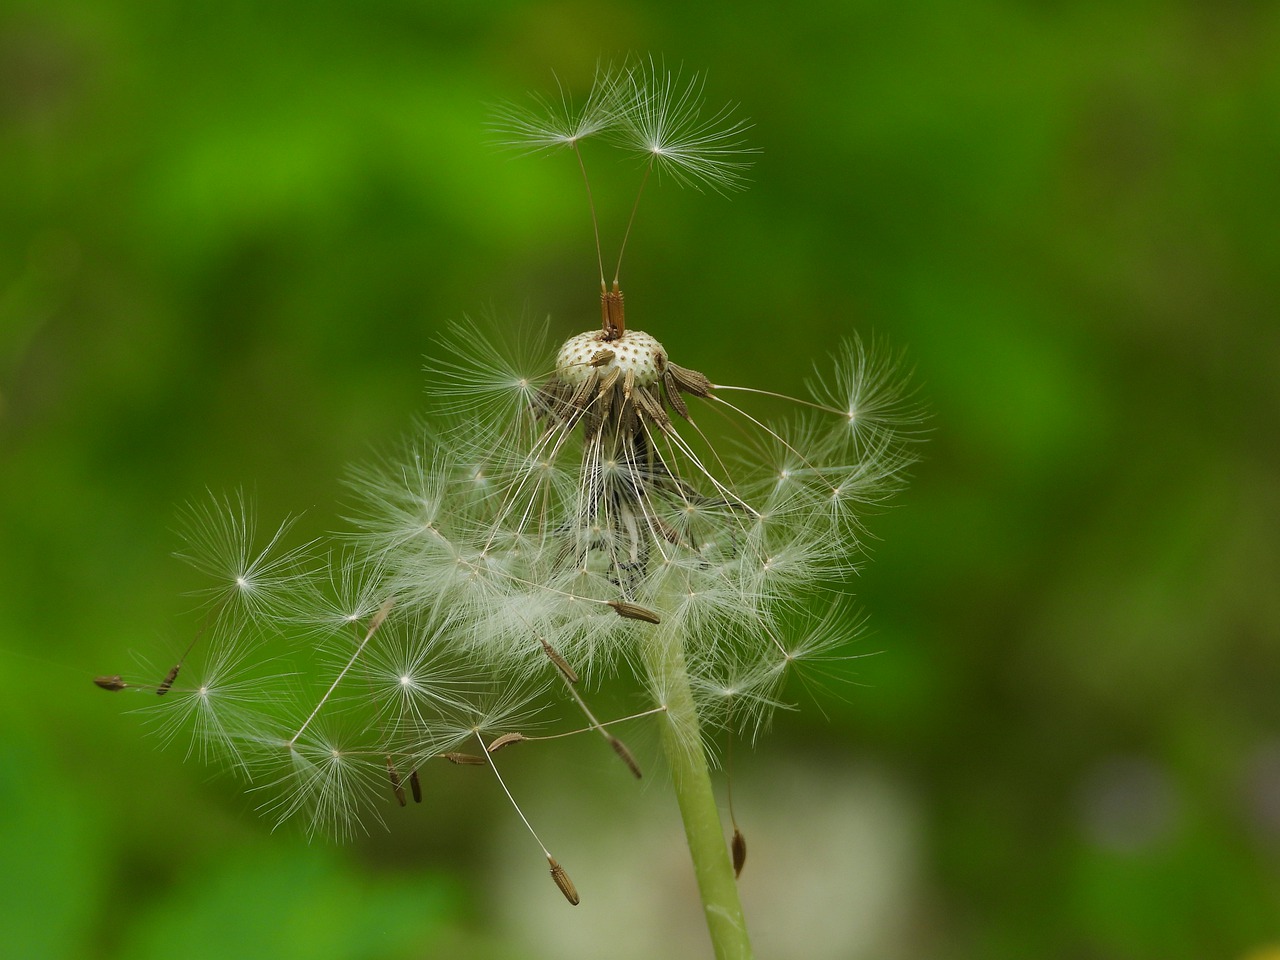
608 381
604 398
562 881
601 357
396 788
584 390
739 847
690 381
415 785
505 740
651 408
633 611
113 682
464 759
559 661
167 682
673 395
621 750
549 400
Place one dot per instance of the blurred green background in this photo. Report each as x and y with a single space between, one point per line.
230 232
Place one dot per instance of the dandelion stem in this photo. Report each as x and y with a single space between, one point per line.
691 777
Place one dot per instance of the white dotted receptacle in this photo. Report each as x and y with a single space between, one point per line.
635 352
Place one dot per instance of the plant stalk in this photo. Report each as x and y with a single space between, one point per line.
691 777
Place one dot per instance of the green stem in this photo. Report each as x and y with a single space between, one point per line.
681 740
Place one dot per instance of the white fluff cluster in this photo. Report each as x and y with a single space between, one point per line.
587 509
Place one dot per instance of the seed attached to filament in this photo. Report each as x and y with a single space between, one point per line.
167 682
621 750
563 882
464 759
505 740
396 787
739 850
113 682
561 663
633 611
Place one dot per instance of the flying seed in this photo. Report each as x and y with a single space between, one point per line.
415 785
559 661
167 682
633 611
621 750
505 740
113 682
396 788
562 881
739 848
464 759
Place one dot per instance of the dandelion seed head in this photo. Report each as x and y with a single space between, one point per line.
561 514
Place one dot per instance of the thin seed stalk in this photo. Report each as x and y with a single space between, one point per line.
691 777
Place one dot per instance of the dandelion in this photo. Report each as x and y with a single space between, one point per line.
562 515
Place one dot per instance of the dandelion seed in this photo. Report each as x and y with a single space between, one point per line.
415 785
249 581
396 786
463 759
505 740
633 611
168 680
113 682
739 850
561 663
621 750
563 882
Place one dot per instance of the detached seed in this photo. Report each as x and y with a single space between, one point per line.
505 740
739 850
396 788
559 661
621 750
563 882
113 682
415 785
167 682
464 759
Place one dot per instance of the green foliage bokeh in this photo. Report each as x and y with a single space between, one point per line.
230 232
